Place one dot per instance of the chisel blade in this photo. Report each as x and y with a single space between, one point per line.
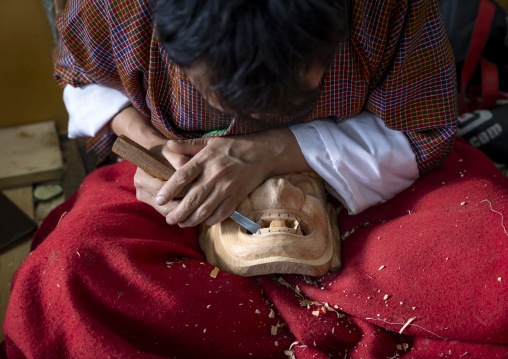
246 223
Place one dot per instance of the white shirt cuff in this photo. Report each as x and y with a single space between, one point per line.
362 162
91 107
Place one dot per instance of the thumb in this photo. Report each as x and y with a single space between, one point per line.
187 147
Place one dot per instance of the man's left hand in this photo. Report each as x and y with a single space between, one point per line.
224 170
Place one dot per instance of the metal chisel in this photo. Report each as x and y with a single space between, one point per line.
157 166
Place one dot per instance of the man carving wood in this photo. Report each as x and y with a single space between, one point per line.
233 93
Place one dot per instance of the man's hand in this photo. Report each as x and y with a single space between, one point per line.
223 171
147 186
133 124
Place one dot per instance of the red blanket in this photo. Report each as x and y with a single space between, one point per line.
424 276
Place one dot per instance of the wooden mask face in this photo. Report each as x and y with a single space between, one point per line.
299 231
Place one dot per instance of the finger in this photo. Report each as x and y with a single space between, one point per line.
178 182
188 147
193 200
176 160
148 183
223 211
146 188
215 208
146 197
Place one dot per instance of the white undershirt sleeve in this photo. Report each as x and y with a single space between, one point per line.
91 107
362 162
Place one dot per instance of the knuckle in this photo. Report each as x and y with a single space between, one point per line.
182 176
203 211
193 200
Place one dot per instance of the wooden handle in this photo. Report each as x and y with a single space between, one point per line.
147 160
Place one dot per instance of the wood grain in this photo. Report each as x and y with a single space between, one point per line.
29 154
148 161
298 236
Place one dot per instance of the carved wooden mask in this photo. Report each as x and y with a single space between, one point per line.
299 231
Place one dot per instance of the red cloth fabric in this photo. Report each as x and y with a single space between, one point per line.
114 280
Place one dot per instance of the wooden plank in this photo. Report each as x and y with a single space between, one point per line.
29 154
12 257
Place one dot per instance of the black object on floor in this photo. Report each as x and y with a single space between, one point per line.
14 223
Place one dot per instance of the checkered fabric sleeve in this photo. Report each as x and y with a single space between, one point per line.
108 43
396 63
413 88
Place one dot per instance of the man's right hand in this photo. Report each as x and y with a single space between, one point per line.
131 123
147 187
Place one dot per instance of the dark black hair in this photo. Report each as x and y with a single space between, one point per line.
254 51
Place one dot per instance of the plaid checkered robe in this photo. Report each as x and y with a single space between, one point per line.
396 63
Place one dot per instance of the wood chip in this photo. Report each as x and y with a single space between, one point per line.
381 267
405 346
214 272
405 325
386 297
273 330
315 313
257 311
499 279
272 314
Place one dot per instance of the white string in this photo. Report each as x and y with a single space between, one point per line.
502 217
414 325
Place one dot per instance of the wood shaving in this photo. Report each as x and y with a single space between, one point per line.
214 272
339 315
499 279
290 352
273 330
405 346
386 297
381 267
315 313
271 314
405 325
283 282
257 311
307 280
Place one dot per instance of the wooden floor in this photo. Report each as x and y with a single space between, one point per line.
12 257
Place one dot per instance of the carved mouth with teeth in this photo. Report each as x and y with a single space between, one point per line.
282 223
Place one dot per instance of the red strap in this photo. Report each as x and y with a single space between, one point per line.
480 33
490 84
